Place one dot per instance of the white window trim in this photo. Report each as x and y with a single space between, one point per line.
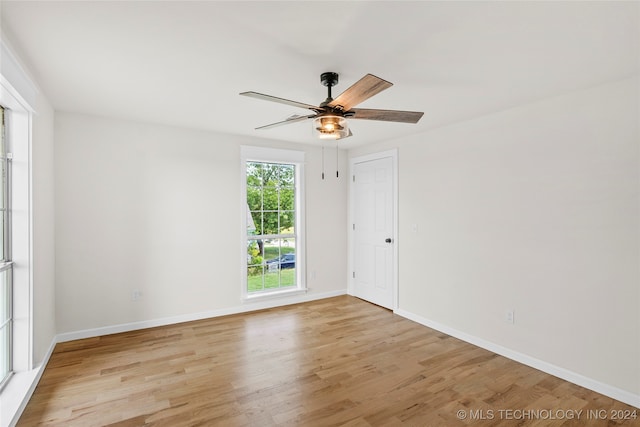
18 94
274 155
19 136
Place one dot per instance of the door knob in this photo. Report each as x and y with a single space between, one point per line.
387 240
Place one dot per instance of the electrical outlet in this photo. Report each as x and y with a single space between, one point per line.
136 295
509 316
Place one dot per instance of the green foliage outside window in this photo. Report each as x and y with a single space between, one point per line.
270 224
271 197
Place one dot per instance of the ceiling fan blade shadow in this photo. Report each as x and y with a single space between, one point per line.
293 119
279 100
360 91
386 115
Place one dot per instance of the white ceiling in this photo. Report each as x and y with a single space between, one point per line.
183 62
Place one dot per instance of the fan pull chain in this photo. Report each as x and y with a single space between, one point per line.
322 161
337 151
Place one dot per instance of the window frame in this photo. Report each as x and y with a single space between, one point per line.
19 95
279 156
6 264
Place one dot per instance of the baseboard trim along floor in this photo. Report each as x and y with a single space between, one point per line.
565 374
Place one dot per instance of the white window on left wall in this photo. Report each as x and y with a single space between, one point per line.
273 229
6 294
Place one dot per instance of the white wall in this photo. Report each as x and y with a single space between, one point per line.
42 203
157 209
534 209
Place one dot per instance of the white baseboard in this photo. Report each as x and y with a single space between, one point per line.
597 386
244 308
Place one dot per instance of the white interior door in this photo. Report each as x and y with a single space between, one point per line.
373 231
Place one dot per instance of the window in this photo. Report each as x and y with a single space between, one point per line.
6 298
273 255
17 373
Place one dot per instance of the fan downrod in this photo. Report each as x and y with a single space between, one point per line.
329 80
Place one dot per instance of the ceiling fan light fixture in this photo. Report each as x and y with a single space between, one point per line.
330 117
330 127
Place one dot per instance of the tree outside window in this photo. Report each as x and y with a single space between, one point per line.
271 223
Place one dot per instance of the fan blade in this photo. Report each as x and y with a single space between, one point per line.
279 100
361 90
293 119
386 115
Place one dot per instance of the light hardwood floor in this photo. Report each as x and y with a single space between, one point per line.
338 361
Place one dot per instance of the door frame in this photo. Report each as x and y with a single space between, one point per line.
393 154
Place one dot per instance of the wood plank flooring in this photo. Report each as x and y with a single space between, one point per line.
338 361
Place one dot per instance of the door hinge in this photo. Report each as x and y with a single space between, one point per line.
354 226
353 178
353 274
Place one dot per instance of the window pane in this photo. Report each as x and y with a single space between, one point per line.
4 351
287 175
257 222
272 278
270 200
288 277
254 252
255 267
269 175
3 256
270 224
254 198
287 222
271 250
287 199
3 168
288 245
287 263
255 279
5 297
254 174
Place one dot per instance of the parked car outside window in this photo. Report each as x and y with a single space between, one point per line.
284 261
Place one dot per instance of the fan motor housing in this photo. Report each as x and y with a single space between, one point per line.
329 79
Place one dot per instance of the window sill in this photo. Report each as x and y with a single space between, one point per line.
15 394
274 294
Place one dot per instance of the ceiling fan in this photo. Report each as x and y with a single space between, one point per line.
330 117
